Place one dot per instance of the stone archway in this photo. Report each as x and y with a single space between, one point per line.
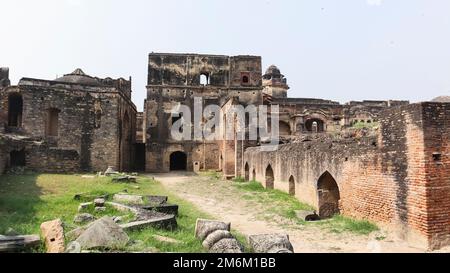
292 186
254 175
247 172
178 161
329 196
270 178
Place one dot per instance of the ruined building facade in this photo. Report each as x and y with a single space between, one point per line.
72 124
393 171
175 79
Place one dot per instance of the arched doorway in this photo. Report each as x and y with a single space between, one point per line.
247 172
15 108
270 178
254 175
292 186
315 125
285 129
329 196
178 161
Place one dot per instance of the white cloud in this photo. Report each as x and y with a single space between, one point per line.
374 2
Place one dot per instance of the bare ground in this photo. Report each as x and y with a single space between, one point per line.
227 203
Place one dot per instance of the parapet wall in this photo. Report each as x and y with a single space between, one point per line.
398 177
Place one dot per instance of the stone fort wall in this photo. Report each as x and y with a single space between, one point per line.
397 177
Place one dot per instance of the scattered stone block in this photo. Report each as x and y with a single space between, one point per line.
157 200
117 219
205 227
84 206
99 202
168 222
163 208
100 209
271 243
129 199
307 215
215 237
18 243
103 234
53 234
229 245
74 234
166 239
125 179
83 218
73 247
110 171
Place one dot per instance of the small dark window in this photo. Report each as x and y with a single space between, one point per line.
52 122
17 158
245 80
437 157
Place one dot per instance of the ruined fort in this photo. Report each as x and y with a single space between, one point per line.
384 161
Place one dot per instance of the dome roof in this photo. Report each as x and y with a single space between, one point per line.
79 77
273 70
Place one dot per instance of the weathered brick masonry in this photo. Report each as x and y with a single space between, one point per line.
398 177
74 123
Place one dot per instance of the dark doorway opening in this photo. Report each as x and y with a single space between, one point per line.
254 175
270 178
329 196
139 163
178 161
315 126
17 158
15 108
247 172
292 186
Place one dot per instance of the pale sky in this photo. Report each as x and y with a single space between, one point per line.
333 49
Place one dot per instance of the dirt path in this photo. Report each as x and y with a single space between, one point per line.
227 203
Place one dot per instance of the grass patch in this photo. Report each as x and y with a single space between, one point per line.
282 204
28 200
340 224
239 180
214 175
275 201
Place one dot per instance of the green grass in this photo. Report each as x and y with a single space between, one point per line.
363 125
282 204
339 224
28 200
214 175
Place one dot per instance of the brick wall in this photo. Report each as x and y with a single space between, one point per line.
398 177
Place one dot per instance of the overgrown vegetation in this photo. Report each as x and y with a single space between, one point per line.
365 125
28 200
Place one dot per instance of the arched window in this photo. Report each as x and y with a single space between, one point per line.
292 185
329 196
270 178
315 126
247 172
204 79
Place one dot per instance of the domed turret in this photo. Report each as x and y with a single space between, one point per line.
79 77
275 84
